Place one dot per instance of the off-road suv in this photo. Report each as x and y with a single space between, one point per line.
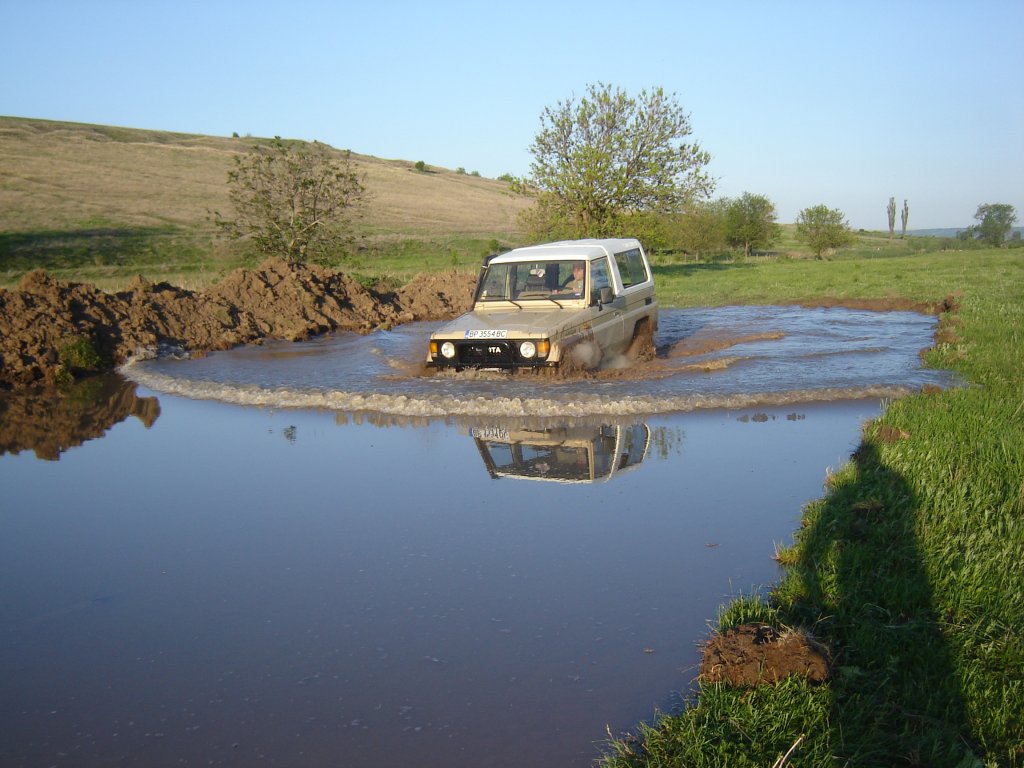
579 302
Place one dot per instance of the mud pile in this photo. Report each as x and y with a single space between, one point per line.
45 318
757 654
436 296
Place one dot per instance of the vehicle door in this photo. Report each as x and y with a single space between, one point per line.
637 288
607 319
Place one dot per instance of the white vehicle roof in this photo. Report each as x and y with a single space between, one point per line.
568 249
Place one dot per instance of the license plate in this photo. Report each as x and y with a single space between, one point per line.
486 334
490 433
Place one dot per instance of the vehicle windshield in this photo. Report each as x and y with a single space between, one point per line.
541 462
533 280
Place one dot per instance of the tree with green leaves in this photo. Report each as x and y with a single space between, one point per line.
698 230
995 220
823 228
750 222
599 159
293 199
891 210
904 217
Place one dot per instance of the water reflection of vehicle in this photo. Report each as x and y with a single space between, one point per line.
580 454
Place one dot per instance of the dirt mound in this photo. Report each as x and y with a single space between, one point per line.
292 301
432 296
44 320
755 654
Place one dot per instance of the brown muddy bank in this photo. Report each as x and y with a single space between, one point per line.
51 328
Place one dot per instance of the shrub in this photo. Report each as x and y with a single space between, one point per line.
77 355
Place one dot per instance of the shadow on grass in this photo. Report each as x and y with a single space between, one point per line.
861 583
92 246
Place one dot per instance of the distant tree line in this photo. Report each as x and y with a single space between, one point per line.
607 164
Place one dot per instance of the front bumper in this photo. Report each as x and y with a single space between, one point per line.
487 353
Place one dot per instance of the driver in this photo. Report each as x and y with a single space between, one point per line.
574 284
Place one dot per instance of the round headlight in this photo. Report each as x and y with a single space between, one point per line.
448 350
527 349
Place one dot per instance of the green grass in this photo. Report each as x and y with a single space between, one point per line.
402 258
926 277
110 255
909 568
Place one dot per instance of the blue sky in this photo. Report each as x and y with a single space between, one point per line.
823 102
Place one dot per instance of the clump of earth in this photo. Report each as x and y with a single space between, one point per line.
756 654
52 329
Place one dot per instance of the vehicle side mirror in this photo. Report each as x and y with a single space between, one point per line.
605 296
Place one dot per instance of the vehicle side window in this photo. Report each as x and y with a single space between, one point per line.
598 277
631 267
495 283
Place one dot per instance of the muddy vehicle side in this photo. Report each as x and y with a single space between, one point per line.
579 302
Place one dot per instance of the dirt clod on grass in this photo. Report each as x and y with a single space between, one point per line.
276 300
758 654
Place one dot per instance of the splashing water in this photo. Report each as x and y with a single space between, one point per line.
727 357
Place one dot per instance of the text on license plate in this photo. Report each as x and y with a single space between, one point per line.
490 433
486 333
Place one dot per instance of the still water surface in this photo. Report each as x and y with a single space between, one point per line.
265 576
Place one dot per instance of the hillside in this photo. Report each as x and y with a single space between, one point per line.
71 193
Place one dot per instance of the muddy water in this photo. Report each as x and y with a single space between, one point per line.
727 357
307 583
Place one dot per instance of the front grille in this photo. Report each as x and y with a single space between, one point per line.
486 354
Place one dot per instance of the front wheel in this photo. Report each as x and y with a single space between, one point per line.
641 347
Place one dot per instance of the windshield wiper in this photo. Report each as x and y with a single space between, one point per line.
556 301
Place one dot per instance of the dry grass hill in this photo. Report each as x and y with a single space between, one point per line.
88 198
